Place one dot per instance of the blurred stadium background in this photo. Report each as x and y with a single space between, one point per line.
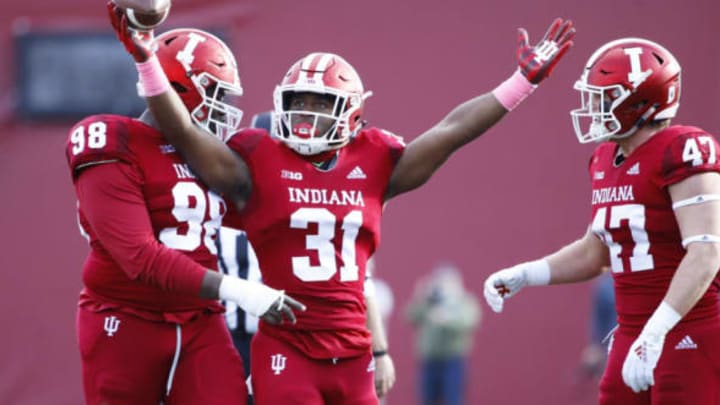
518 192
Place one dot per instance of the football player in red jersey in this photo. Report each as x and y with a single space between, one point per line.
311 196
150 327
655 222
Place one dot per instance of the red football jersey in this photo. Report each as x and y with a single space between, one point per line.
632 213
183 214
313 232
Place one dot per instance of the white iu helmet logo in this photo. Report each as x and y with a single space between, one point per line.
636 75
111 324
277 362
186 56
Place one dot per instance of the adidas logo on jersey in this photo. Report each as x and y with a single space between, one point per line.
599 175
686 343
356 173
635 169
165 149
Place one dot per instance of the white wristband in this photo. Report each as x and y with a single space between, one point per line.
537 272
253 298
662 320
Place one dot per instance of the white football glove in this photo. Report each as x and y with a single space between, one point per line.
254 298
505 283
641 360
644 353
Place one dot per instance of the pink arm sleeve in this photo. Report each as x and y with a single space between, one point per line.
113 204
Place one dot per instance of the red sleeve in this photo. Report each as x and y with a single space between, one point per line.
690 152
113 204
244 142
396 145
99 139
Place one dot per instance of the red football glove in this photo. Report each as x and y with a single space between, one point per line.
537 62
139 44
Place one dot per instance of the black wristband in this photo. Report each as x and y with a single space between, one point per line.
379 353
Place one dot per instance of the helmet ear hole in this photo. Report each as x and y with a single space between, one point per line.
639 105
178 87
659 58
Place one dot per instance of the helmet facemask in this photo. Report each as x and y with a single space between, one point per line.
213 114
309 132
597 114
302 134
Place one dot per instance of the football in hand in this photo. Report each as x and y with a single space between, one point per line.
144 15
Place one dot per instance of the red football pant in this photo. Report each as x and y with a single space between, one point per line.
128 360
281 374
688 371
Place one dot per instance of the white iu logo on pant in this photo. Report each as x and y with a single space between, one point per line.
111 325
277 363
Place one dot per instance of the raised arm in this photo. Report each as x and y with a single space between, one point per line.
469 120
208 156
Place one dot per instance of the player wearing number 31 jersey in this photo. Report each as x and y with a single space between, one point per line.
326 224
310 196
655 221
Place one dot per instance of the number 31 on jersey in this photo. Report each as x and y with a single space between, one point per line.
322 242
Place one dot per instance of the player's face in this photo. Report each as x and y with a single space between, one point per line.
321 105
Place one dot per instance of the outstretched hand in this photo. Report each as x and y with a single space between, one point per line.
502 285
282 309
139 44
537 62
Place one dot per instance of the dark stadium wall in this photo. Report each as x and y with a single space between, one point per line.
517 193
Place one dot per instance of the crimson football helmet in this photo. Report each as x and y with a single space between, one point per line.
626 84
325 74
203 71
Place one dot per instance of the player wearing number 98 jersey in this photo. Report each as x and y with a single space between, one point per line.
151 227
655 221
150 326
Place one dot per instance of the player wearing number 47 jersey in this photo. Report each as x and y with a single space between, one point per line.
150 327
655 221
311 196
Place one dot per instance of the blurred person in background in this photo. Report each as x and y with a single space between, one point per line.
603 320
445 316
